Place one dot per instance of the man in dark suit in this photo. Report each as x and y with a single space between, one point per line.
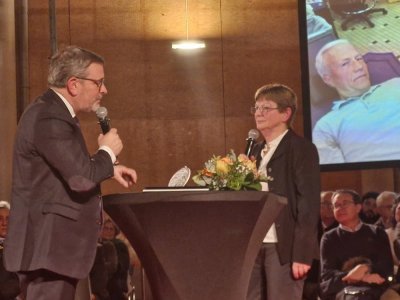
56 212
291 163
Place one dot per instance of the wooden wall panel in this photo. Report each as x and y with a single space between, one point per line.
8 99
166 104
342 180
38 47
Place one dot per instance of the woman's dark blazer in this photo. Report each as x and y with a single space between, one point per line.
294 167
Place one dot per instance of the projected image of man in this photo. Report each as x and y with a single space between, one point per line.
364 124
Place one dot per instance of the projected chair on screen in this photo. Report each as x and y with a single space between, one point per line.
382 66
355 10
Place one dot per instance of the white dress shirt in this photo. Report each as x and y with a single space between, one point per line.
266 155
73 114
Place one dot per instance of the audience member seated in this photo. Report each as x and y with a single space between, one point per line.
9 284
354 255
135 263
384 205
327 222
118 283
104 267
392 232
368 213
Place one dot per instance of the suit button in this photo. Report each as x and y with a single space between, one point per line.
269 169
98 222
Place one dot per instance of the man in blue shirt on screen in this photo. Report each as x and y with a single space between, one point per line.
364 125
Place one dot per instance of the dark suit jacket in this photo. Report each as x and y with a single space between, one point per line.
56 203
294 167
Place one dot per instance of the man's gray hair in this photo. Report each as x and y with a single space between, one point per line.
319 59
71 61
385 195
4 204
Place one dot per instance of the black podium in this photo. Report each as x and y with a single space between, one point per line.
196 245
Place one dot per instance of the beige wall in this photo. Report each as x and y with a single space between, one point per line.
7 95
174 109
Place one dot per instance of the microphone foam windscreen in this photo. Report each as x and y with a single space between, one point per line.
253 134
101 112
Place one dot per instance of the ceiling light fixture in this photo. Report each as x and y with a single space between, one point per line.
188 44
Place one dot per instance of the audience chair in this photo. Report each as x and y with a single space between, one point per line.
131 294
352 10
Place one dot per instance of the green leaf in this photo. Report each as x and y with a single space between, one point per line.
254 186
250 177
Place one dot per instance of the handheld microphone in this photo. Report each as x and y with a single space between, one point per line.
252 136
104 121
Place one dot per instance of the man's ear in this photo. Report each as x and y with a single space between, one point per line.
73 86
328 80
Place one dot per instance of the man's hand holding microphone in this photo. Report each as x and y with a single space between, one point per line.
111 140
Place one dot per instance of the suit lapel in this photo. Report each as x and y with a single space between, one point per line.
280 150
282 147
63 112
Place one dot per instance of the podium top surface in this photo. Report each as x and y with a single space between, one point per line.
189 196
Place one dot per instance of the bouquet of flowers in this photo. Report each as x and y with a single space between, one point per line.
230 173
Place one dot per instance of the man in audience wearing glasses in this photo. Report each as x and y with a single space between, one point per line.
354 256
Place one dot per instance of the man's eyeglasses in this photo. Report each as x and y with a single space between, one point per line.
344 204
262 109
99 82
